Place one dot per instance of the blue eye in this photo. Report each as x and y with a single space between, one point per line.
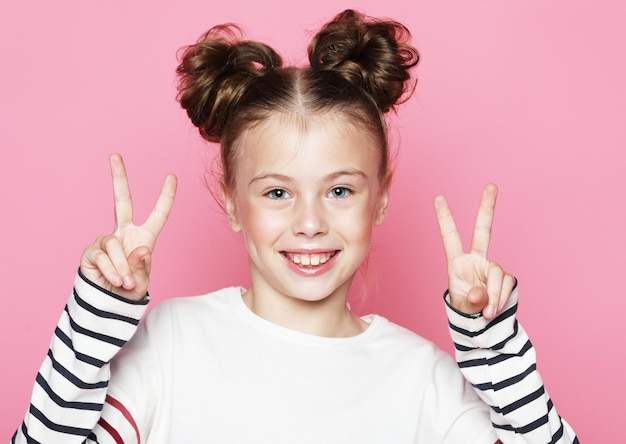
340 192
277 193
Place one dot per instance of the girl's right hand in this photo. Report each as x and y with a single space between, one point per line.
120 262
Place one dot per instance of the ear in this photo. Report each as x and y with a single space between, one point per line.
383 200
230 207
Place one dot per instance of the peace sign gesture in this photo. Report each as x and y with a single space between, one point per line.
120 262
475 284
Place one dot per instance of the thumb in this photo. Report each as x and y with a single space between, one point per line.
139 263
478 298
138 260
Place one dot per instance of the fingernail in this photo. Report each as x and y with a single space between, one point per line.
115 279
490 311
128 281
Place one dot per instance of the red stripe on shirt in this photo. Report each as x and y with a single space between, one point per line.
125 413
109 428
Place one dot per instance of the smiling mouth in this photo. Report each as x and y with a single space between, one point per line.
309 259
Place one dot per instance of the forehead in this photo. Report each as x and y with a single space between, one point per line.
288 140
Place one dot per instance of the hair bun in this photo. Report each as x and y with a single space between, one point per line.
368 53
215 73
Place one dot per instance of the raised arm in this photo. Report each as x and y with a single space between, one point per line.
102 314
492 349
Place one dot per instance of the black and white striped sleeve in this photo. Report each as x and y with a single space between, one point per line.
498 359
70 388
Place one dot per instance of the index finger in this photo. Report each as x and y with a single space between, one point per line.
161 211
450 236
121 191
484 220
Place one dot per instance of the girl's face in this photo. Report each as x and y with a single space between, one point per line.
306 201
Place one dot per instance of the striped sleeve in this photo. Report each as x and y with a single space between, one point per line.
498 359
71 386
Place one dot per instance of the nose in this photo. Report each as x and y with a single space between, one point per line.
309 219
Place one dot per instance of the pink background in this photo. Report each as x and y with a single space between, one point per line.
528 94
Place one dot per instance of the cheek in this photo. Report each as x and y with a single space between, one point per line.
357 224
259 225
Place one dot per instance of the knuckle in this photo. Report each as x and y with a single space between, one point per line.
96 244
495 267
101 259
109 241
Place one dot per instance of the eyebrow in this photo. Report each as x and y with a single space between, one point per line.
332 176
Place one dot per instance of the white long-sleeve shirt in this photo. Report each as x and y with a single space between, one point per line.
207 369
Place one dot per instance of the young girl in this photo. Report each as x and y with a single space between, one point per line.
306 176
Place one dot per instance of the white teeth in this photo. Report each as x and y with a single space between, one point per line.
312 260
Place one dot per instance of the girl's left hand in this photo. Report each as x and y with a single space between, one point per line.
475 284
